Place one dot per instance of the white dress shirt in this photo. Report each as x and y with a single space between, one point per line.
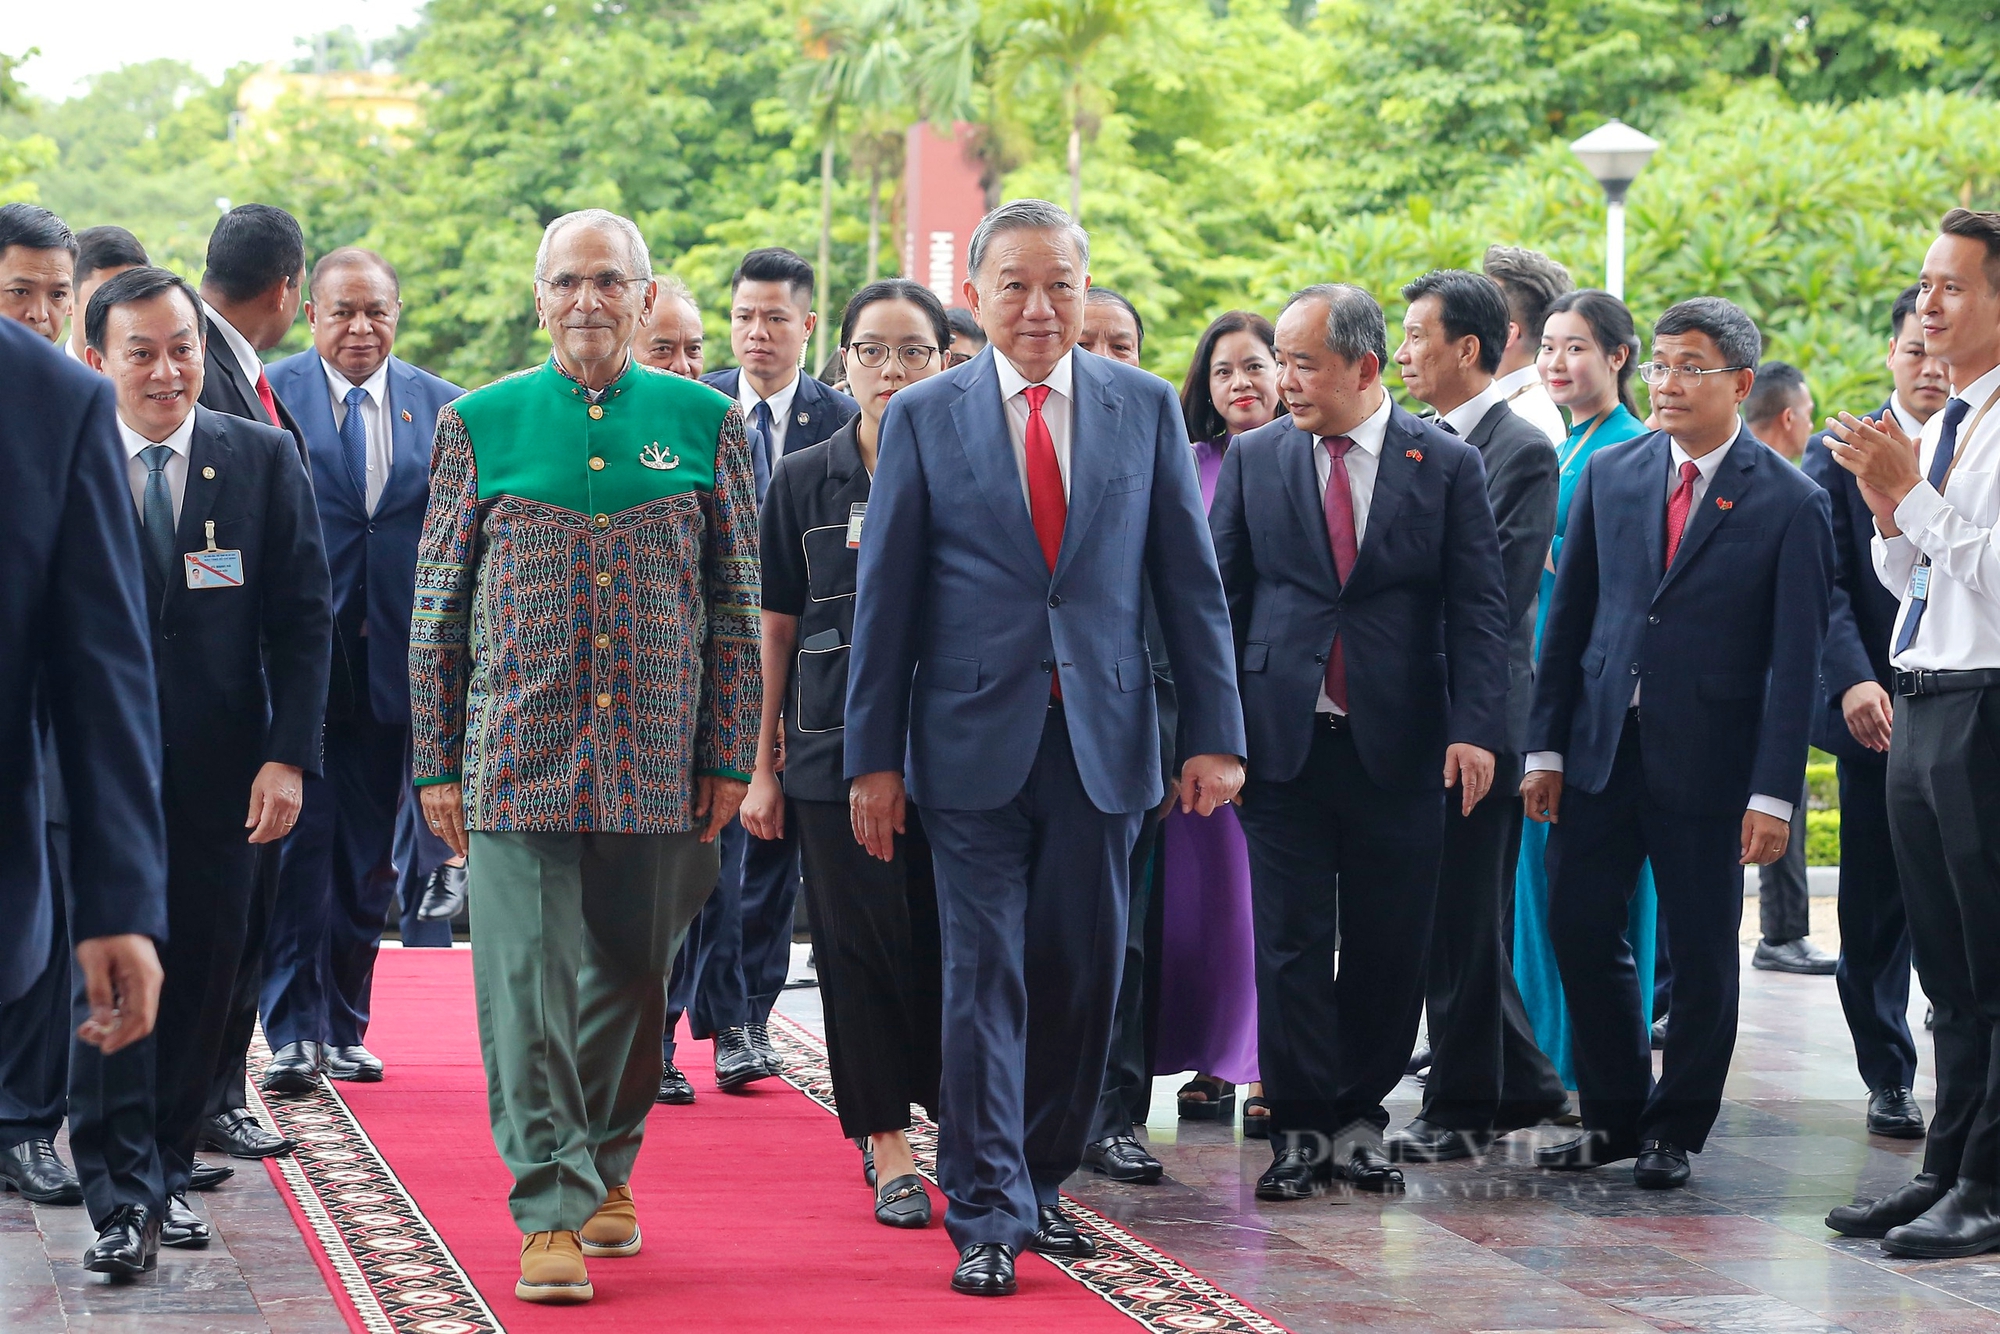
1904 417
176 469
781 409
1057 411
1705 469
1960 532
1525 393
374 423
1364 463
69 350
1470 413
239 346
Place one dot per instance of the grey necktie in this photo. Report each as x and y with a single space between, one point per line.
156 509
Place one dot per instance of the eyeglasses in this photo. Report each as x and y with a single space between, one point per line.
956 359
1657 373
610 286
914 356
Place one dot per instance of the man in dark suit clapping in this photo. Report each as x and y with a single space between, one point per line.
1364 579
1677 684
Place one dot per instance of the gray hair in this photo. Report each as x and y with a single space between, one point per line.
673 289
1355 323
1021 215
1734 332
641 259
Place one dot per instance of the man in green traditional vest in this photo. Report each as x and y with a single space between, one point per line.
585 694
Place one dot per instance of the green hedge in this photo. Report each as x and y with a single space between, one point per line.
1823 838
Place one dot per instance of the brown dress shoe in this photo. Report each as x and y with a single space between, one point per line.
614 1229
552 1269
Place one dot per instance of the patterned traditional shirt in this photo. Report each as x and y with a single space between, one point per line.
584 642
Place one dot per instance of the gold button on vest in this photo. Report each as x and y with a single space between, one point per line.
602 521
603 641
597 413
596 464
604 578
604 701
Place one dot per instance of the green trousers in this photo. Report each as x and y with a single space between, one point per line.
572 938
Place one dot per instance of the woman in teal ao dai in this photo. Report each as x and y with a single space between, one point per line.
1588 354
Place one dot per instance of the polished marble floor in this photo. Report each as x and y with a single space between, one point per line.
1491 1247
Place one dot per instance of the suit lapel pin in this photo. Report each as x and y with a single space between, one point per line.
1722 504
655 457
407 416
208 474
1416 454
803 419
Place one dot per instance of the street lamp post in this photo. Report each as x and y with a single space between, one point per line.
1614 153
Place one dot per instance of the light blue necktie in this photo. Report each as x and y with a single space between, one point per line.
156 510
1954 413
354 441
760 447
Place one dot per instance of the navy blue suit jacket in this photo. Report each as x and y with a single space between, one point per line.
959 621
371 559
73 646
1422 618
1725 644
1861 618
818 410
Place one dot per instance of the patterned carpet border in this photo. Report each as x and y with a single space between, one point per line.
393 1268
1152 1288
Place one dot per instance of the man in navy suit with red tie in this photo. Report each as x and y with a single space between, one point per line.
1678 681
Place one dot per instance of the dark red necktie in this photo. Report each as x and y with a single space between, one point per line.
1339 503
1047 505
267 398
1678 505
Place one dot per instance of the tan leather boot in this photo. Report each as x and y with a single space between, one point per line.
552 1269
614 1229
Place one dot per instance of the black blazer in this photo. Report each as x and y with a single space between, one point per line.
224 390
818 410
1522 483
72 648
243 671
1861 613
1423 616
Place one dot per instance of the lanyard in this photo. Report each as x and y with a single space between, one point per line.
1577 448
1965 438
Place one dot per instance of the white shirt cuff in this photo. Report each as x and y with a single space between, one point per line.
1917 509
1771 806
1544 761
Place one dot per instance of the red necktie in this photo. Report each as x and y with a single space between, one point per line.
1046 503
1678 505
267 398
1339 503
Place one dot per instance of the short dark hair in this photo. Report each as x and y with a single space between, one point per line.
107 247
1734 332
141 284
352 257
1777 388
252 249
1982 227
1355 324
964 326
1906 306
1530 281
898 289
1198 410
1468 304
33 227
775 264
1610 327
1100 296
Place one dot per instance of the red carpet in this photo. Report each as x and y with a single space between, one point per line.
753 1208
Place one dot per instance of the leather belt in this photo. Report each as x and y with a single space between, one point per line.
1940 683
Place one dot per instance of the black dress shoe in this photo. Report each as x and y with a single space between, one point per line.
1294 1174
444 895
1422 1141
294 1068
1122 1158
1661 1166
737 1063
675 1091
207 1176
1794 956
760 1042
127 1244
1905 1204
985 1269
183 1226
1058 1236
1593 1148
32 1168
902 1202
1420 1061
1894 1113
356 1064
1965 1222
238 1134
1366 1167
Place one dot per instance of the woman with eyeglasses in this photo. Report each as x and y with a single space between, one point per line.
875 924
1588 354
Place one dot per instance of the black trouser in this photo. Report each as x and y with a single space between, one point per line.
1784 902
1874 974
231 1069
875 942
1127 1095
1595 853
1944 814
218 888
740 948
1486 1071
1336 860
35 1034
